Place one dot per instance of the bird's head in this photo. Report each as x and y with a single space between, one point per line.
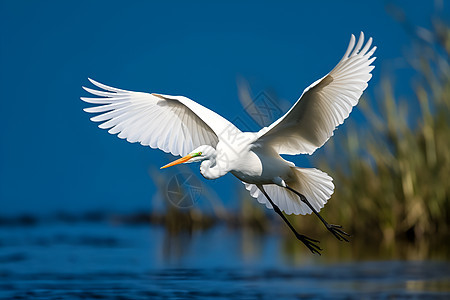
198 154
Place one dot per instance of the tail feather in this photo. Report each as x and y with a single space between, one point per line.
315 185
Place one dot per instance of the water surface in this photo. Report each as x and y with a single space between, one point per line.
105 261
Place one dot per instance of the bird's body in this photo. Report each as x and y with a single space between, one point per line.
178 125
260 166
249 163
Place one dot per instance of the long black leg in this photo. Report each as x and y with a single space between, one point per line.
334 229
310 243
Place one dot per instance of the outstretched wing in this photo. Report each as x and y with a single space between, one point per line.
324 105
174 124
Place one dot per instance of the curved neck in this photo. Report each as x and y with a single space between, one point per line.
210 170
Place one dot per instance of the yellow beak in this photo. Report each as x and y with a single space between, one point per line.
178 161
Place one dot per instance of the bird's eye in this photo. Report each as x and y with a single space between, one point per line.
199 153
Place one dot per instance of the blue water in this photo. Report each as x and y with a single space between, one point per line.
110 261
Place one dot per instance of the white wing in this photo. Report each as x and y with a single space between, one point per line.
324 105
173 124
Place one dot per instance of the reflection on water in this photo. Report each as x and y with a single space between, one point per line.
100 260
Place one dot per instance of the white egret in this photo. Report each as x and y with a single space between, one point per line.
178 125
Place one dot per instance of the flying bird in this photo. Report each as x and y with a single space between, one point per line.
178 125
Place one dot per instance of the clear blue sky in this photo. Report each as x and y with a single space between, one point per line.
52 158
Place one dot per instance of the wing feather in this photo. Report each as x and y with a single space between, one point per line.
324 105
173 124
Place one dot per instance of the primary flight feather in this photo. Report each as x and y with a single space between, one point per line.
178 125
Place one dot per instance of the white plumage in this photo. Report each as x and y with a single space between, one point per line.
315 185
324 105
183 127
144 118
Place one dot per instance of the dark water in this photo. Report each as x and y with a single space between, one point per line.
103 261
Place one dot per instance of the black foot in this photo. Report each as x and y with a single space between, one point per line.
310 243
338 232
